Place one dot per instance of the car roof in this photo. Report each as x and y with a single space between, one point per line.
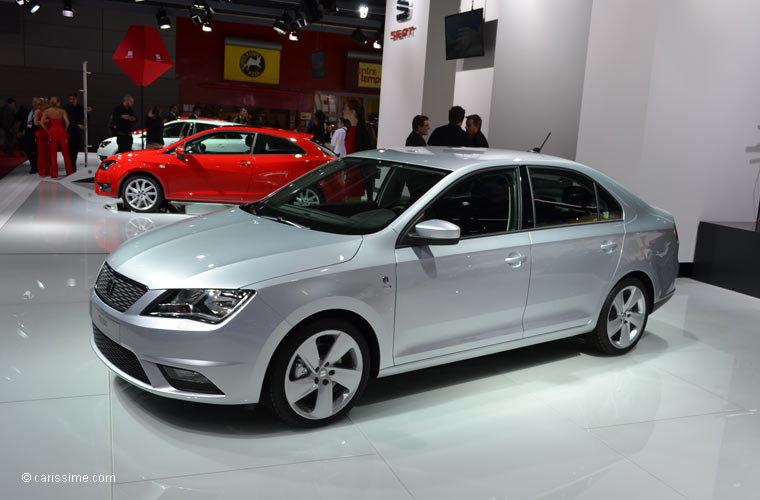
287 134
200 120
454 159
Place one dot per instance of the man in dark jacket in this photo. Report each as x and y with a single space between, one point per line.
123 118
477 139
420 128
76 127
451 135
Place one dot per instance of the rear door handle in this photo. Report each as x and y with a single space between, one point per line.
608 246
515 259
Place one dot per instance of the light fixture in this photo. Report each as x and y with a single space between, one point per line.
378 40
201 13
32 7
358 36
68 10
281 23
20 2
207 26
363 10
163 20
293 35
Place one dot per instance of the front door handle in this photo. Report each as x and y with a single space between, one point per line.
515 259
608 246
244 163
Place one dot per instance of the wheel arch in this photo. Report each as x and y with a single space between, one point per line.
648 284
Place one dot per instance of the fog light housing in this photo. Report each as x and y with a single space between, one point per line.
188 380
104 186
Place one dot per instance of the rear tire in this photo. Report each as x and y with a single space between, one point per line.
622 320
318 373
142 193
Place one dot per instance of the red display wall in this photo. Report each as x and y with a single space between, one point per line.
200 67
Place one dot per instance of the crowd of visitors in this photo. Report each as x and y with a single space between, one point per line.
451 134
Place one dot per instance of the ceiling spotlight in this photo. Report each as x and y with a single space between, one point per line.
359 37
163 20
68 10
20 2
363 10
207 26
378 44
32 7
200 12
293 35
281 23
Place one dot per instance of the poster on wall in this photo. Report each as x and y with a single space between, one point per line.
245 61
363 72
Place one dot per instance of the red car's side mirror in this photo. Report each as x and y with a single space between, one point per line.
180 152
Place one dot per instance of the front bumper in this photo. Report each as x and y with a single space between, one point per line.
139 348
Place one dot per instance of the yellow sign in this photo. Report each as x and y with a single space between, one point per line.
370 75
249 64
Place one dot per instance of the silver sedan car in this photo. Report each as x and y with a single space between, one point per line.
413 258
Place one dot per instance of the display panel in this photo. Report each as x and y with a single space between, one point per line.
464 35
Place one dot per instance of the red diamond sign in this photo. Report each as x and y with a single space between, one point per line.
142 55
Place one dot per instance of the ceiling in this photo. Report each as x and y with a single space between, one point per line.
264 12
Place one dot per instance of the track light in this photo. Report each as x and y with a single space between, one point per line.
163 20
20 2
68 10
207 26
281 24
32 7
363 10
293 35
359 37
377 43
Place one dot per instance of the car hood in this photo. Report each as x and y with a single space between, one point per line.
227 249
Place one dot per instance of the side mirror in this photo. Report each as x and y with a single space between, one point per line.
435 232
180 152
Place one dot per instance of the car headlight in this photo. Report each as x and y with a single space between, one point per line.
105 143
208 306
105 165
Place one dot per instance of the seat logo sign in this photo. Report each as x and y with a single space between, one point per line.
403 10
252 63
110 287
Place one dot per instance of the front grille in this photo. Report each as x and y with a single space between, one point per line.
124 359
116 290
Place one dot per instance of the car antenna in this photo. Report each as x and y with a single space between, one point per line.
538 149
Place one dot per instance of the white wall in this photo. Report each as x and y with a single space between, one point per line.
538 74
670 104
403 75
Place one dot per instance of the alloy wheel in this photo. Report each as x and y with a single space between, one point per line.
141 194
627 317
307 198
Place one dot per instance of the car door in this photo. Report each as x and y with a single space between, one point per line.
576 248
276 161
215 167
451 298
172 132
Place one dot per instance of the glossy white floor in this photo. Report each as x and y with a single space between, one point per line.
677 418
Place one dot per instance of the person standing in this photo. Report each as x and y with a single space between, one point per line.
76 127
242 117
420 128
42 139
357 137
172 114
154 129
55 121
29 146
338 142
196 113
123 118
319 130
8 118
477 138
451 135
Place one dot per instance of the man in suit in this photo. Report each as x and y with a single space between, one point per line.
451 135
76 127
420 128
477 139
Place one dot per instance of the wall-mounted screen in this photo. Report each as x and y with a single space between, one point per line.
464 35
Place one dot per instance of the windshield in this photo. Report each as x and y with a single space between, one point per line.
349 196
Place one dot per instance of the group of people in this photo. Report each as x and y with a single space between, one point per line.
123 122
451 134
352 133
43 130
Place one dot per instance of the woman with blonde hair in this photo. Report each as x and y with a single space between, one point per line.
41 138
55 121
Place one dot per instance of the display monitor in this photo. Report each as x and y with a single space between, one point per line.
464 35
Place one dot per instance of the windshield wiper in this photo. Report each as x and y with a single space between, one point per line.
281 221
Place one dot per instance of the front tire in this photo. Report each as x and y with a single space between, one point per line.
622 320
319 373
142 194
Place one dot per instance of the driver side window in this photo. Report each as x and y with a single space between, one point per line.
221 143
482 204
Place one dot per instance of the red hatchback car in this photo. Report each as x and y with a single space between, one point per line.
228 165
